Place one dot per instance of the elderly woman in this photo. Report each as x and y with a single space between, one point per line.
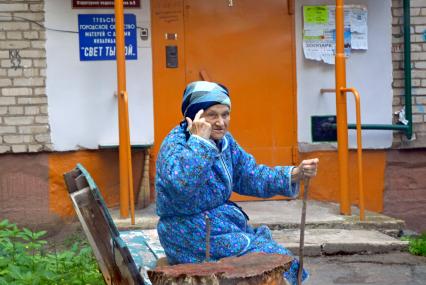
198 167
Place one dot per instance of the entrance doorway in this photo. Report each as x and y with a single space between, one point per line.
247 45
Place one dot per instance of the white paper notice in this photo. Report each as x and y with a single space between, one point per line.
319 31
358 20
319 50
359 41
359 28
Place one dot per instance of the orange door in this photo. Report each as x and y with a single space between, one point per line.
248 46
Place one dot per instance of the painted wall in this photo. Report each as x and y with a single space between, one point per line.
369 71
82 106
103 167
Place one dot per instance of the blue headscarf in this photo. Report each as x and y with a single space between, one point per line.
202 95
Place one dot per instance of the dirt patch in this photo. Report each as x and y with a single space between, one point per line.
65 235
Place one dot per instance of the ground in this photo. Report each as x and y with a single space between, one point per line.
398 268
62 236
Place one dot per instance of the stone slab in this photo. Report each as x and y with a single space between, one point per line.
399 268
339 241
325 241
283 215
286 214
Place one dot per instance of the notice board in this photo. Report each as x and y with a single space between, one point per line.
97 36
319 31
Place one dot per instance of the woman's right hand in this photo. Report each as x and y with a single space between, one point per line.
199 126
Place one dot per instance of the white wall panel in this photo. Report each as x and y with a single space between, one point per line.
82 106
369 71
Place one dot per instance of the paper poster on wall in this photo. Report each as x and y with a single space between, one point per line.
359 28
319 31
97 36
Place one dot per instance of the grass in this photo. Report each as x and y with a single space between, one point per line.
417 244
28 259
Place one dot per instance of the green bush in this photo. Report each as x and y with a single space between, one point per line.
25 260
417 245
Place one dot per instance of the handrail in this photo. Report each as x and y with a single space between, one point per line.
359 150
128 151
381 127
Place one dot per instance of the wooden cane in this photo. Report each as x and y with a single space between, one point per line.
207 238
302 230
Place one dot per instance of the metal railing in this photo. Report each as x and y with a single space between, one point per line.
359 149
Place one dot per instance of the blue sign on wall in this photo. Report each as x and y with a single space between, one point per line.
97 36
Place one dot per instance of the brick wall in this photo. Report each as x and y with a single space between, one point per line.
418 57
24 123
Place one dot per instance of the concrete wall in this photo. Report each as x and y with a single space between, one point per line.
405 192
369 71
33 191
83 110
24 188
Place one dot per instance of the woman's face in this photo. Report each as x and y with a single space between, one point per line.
218 117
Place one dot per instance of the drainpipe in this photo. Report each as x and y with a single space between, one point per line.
407 69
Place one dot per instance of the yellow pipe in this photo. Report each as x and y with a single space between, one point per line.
129 156
342 124
359 150
121 87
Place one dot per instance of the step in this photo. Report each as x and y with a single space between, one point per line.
145 219
339 241
319 215
317 241
285 215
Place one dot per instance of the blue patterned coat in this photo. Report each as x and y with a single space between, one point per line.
195 178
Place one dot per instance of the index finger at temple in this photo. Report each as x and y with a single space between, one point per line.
189 122
198 115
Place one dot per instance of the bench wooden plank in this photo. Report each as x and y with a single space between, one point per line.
113 256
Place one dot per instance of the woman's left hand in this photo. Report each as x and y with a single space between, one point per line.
307 168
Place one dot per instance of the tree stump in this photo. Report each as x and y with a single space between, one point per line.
249 269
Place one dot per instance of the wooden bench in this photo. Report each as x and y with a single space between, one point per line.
110 247
128 257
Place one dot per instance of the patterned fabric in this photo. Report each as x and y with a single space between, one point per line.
194 180
145 248
202 95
